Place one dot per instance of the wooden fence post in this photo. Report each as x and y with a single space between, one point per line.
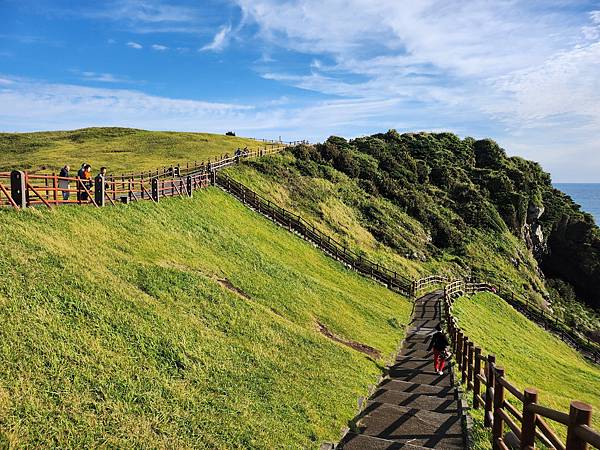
99 190
188 182
529 418
579 414
459 346
470 346
498 426
465 359
476 380
18 188
55 188
155 190
489 389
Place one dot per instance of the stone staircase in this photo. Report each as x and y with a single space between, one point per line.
414 407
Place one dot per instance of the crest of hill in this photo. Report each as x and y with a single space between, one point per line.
119 149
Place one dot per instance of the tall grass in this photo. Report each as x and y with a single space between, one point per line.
115 330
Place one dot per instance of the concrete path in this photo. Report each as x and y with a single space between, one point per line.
414 407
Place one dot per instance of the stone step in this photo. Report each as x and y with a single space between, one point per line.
424 323
417 388
354 441
411 426
418 335
416 353
415 345
420 401
420 377
408 363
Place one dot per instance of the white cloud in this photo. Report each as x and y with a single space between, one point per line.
220 40
28 105
517 70
103 77
159 47
145 11
134 45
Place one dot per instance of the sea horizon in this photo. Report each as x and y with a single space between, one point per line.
587 195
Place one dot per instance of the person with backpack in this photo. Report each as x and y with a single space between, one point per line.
86 181
63 182
439 343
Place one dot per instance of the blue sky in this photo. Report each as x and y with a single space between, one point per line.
525 73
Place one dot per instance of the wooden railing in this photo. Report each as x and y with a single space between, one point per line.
22 189
490 390
572 336
296 223
426 283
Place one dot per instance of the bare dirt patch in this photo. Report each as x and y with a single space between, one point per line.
363 348
228 285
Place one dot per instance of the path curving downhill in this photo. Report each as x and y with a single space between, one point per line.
413 407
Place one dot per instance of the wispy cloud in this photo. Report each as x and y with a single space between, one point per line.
145 11
514 70
148 16
220 40
53 106
103 77
134 45
159 47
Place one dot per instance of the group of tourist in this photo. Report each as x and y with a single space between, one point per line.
84 175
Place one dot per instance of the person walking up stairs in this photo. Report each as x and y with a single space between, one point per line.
415 407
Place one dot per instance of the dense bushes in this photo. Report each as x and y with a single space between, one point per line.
454 187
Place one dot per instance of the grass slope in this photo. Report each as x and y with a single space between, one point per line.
383 231
119 149
115 332
530 356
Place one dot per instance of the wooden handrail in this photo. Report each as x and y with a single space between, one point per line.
497 411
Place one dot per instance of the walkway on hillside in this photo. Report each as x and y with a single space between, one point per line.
414 407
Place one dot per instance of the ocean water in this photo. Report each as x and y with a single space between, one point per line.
585 194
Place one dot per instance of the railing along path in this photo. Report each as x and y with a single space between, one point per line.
296 223
20 189
527 424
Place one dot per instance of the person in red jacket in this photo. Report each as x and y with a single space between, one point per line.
439 343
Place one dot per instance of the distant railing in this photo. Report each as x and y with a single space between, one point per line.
20 189
296 223
426 283
490 387
571 335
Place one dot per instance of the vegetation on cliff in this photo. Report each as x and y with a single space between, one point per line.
423 202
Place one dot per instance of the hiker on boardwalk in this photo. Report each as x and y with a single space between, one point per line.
439 343
86 181
63 183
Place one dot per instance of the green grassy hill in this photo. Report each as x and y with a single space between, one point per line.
422 203
383 231
530 356
119 149
196 322
191 323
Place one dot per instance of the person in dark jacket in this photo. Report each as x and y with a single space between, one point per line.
439 343
63 182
